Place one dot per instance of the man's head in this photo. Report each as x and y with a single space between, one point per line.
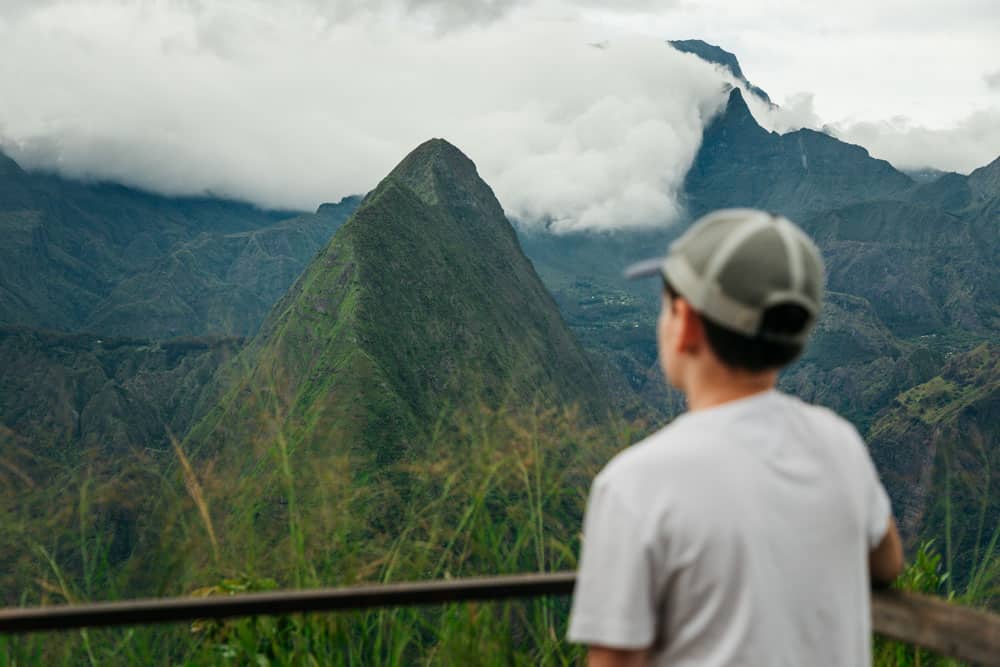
742 289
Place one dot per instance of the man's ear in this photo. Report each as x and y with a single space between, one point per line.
690 334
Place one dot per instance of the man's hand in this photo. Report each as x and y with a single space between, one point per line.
602 656
885 561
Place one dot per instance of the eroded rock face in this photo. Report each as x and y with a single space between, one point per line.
938 449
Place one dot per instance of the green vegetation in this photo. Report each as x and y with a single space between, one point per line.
122 262
422 299
938 448
503 493
385 422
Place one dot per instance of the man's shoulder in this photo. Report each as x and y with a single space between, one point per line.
669 444
822 417
694 440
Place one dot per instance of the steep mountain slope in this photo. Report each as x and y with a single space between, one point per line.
64 395
970 195
985 182
924 270
938 448
718 56
854 364
218 282
85 449
798 173
422 301
119 261
913 274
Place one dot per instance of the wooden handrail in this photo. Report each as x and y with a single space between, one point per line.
932 623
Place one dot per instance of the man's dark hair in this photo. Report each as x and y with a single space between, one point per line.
755 354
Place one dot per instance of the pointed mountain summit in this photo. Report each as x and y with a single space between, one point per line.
718 56
742 164
422 302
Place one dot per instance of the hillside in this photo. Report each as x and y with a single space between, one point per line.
367 336
796 174
109 259
62 394
854 364
912 272
85 428
416 342
938 447
421 303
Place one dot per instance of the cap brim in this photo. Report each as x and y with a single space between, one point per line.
645 268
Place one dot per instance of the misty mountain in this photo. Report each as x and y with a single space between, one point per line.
913 275
718 56
109 259
912 269
796 174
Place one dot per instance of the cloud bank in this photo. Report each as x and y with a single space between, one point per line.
293 104
576 124
972 142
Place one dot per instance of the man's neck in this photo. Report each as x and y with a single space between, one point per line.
719 385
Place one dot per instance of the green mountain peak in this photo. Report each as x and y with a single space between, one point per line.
422 302
436 170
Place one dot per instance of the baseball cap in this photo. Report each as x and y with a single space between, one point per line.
732 265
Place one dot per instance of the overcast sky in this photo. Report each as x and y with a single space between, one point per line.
574 110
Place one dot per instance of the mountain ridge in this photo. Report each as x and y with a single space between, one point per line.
718 56
742 164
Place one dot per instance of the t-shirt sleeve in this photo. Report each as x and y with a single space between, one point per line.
614 601
877 503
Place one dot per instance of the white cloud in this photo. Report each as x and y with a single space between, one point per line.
290 107
291 104
973 142
992 80
863 60
794 113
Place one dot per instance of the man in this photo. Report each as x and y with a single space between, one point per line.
749 530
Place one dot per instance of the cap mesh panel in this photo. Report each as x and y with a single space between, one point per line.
699 250
756 269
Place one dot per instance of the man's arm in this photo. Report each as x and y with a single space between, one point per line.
602 656
885 561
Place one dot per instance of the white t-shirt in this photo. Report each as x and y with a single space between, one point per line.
737 535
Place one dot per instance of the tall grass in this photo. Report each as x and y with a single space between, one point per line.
487 492
927 574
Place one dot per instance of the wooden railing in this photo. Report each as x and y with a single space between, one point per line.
932 623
